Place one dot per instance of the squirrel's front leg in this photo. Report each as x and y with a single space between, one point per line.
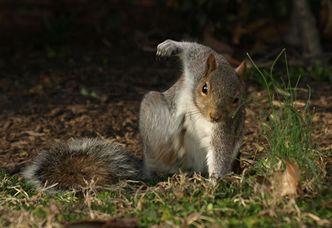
192 55
220 156
218 165
169 48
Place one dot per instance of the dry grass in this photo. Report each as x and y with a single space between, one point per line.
178 201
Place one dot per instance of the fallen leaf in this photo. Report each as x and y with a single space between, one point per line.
248 160
192 218
299 104
278 104
259 148
287 182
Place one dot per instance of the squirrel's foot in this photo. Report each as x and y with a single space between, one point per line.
168 48
214 179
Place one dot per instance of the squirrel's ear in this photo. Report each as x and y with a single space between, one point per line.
240 70
211 64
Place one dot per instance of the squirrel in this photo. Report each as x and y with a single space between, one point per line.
194 126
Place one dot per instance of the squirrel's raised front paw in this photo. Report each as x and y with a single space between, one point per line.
168 48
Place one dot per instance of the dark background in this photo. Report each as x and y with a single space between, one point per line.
232 27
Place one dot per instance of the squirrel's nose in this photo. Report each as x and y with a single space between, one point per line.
214 116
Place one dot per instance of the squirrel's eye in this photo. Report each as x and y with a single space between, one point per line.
235 100
205 89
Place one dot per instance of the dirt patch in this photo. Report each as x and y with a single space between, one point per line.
97 93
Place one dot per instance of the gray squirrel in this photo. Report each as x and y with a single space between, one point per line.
194 126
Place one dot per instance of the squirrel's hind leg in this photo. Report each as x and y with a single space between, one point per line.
160 131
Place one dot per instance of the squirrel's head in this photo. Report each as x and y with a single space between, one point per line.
220 94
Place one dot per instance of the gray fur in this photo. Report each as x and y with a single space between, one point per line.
120 163
164 116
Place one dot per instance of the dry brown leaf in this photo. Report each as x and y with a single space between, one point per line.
286 183
248 160
278 104
299 104
192 218
259 148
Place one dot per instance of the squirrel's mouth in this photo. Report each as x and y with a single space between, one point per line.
214 117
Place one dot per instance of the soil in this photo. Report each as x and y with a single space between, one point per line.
53 94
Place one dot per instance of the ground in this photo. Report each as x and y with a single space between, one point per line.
53 94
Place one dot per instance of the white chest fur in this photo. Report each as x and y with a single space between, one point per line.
198 131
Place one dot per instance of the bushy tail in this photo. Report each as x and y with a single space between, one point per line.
71 165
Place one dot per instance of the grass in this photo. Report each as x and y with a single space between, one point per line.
288 129
181 201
